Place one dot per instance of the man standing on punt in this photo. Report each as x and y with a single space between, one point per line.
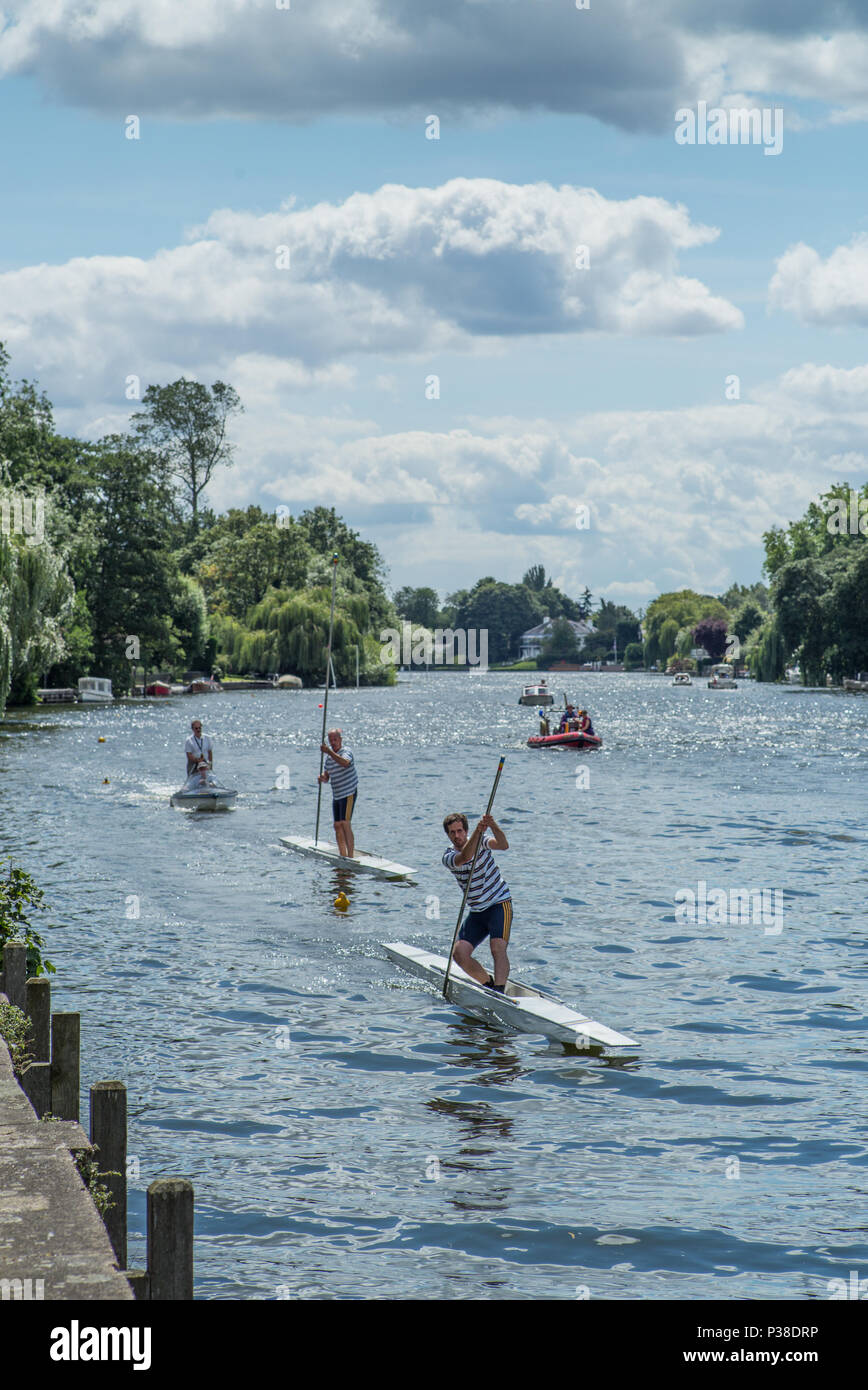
340 770
489 898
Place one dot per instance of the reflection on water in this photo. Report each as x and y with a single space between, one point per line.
350 1134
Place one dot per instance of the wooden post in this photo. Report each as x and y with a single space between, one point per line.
15 971
108 1133
35 1082
139 1282
38 1010
170 1239
65 1065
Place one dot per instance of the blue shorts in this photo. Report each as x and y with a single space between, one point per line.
343 809
494 921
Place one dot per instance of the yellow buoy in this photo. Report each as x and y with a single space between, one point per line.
105 782
342 902
101 739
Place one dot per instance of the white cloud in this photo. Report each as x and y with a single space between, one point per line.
677 498
403 271
832 292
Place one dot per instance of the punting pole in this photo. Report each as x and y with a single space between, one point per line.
470 879
325 698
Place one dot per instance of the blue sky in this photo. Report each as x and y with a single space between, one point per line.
548 396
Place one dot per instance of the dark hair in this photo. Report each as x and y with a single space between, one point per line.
454 815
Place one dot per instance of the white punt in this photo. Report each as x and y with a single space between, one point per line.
362 863
522 1007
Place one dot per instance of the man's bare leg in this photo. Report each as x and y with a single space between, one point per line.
345 838
501 960
463 956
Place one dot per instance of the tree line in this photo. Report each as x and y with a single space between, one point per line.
109 557
506 611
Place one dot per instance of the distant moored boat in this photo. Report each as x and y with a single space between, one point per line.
95 690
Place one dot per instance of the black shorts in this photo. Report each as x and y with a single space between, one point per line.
343 809
494 921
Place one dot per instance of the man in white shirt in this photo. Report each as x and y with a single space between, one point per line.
198 748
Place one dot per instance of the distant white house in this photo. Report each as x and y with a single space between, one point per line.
530 643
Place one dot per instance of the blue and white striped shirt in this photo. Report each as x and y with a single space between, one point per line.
488 885
342 780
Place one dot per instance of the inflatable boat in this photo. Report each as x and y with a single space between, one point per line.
565 740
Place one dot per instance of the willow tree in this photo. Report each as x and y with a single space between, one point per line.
36 596
768 657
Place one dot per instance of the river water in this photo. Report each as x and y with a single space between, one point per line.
351 1135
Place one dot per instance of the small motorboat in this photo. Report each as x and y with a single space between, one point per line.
682 678
536 695
722 678
196 795
565 740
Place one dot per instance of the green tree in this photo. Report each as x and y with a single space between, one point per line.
685 608
326 533
799 591
768 658
36 598
505 611
747 618
667 639
634 657
824 527
535 578
288 632
738 595
236 570
136 586
421 606
26 424
185 423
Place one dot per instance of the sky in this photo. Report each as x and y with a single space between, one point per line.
560 311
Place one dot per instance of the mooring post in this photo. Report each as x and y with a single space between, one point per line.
170 1239
35 1082
15 972
37 1007
65 1065
108 1133
140 1284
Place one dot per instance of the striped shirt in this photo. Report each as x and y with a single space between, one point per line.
488 885
342 780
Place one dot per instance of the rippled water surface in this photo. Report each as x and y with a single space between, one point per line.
348 1133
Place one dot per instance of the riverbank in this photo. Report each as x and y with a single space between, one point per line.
53 1244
